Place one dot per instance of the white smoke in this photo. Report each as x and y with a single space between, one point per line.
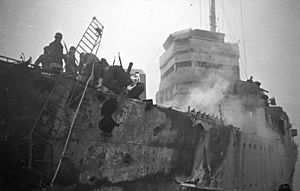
210 95
215 92
207 96
234 112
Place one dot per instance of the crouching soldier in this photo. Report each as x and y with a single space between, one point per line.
86 66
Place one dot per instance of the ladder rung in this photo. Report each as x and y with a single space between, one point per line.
43 161
91 36
60 94
85 49
46 124
86 45
97 22
92 32
95 26
42 138
78 52
53 114
82 48
36 172
89 40
95 38
46 185
61 107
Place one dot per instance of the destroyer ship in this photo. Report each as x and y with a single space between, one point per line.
209 130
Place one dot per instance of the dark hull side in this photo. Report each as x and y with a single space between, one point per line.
22 94
151 148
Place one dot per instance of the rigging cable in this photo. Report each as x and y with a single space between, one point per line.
232 36
184 14
224 17
228 23
245 60
243 68
179 21
62 156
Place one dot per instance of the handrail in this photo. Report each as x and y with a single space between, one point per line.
9 59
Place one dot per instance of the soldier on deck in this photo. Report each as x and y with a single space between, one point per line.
56 52
70 61
86 66
117 80
43 59
136 88
250 80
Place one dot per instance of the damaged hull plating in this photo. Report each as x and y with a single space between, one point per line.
150 148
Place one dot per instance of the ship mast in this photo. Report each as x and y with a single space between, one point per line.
212 16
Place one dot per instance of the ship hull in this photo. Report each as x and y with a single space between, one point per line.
149 148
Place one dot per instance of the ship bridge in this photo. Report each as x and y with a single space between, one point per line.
190 58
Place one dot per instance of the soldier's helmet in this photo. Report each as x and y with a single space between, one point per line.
58 35
72 48
104 62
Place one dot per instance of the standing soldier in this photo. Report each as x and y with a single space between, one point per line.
43 59
70 61
56 52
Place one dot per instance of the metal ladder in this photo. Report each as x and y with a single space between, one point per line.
90 38
54 109
89 41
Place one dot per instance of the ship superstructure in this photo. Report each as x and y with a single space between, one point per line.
190 60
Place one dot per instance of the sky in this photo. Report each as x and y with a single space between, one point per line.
138 28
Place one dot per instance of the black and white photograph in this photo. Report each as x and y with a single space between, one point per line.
149 95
